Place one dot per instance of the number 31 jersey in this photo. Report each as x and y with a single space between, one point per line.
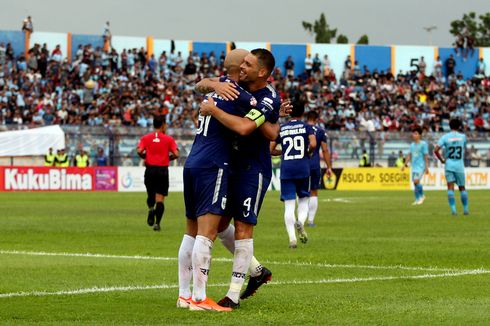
293 137
453 144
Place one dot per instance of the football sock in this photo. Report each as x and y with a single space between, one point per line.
185 266
289 218
452 202
303 209
150 202
312 208
464 200
159 211
241 261
421 190
227 238
201 261
255 267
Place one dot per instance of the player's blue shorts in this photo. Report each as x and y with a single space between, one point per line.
315 177
292 187
417 175
455 177
246 193
205 191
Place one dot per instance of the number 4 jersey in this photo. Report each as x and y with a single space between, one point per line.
453 144
293 137
213 143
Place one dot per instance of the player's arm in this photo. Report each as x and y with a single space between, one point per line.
312 145
226 90
242 126
326 156
174 151
270 130
274 150
437 152
141 150
426 157
407 160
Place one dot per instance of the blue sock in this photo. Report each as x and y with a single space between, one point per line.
416 192
420 189
464 200
452 202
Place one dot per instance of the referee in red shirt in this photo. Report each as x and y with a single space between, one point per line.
157 149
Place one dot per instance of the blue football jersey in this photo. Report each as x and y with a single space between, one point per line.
417 155
213 142
321 137
252 153
293 137
453 144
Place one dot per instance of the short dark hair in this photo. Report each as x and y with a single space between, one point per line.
266 59
158 121
298 109
417 129
312 115
455 124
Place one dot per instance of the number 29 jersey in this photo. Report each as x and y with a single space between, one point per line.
453 144
293 137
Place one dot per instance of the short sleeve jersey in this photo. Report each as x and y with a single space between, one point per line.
417 155
158 147
321 137
453 144
293 137
252 153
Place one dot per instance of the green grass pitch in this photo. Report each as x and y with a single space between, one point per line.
373 259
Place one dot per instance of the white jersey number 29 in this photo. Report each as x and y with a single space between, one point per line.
298 143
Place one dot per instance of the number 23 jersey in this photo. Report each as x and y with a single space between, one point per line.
453 144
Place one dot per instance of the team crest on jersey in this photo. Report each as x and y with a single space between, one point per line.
253 101
223 203
156 140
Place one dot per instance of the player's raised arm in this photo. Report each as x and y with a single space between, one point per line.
226 90
242 126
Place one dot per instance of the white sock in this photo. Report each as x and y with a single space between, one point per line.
289 218
201 261
241 261
185 266
312 208
255 267
227 238
303 209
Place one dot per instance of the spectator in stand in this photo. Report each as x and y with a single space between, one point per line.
308 64
470 45
27 26
422 66
107 35
450 65
326 66
317 64
56 55
480 70
459 45
289 66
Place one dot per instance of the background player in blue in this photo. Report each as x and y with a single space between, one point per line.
453 144
205 190
297 141
251 173
315 169
419 157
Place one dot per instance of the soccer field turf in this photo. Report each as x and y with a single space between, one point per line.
372 259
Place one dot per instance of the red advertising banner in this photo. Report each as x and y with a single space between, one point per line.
21 178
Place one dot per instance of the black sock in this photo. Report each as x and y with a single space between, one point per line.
150 202
159 211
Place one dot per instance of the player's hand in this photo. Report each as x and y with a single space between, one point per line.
227 91
403 168
329 173
426 171
207 107
286 108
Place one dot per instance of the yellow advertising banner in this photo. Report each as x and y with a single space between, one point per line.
374 179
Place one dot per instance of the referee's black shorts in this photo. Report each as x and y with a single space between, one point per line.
156 180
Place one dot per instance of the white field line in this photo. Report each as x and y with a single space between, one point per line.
222 259
292 282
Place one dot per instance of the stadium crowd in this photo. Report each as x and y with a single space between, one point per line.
127 88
